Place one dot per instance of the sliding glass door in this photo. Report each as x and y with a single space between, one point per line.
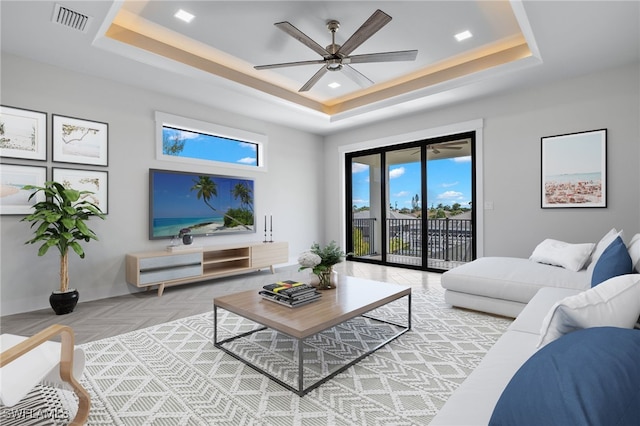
365 218
449 217
404 174
411 205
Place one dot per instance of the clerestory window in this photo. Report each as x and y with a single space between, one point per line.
187 140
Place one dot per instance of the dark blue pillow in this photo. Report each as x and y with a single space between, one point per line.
614 261
587 377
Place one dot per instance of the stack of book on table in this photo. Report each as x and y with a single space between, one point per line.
290 293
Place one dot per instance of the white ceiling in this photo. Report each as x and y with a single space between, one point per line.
219 48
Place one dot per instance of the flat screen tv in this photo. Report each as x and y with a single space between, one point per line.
206 204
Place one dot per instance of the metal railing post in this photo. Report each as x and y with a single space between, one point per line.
446 239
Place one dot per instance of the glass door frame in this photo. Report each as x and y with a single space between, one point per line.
423 145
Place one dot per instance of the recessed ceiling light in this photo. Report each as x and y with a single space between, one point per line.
463 35
184 15
334 85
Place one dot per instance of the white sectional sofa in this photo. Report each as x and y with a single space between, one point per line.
553 314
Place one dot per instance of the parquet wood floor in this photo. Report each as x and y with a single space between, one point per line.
104 318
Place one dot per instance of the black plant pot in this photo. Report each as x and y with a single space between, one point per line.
64 303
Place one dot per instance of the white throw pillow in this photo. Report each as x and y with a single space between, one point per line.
613 303
570 256
601 246
634 251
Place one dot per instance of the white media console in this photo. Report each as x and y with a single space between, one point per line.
187 265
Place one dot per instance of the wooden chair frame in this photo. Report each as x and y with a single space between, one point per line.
66 363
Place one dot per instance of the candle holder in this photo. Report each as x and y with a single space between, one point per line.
270 229
265 229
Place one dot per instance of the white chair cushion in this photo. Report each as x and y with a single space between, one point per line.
42 363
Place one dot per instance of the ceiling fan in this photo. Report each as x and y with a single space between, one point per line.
435 148
336 57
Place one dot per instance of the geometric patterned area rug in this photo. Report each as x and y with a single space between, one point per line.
171 374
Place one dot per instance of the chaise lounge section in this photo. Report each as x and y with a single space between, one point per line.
504 285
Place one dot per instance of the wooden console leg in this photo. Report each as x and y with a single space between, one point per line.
273 270
160 289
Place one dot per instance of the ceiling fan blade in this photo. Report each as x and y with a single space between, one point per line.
356 76
403 55
313 80
376 21
302 38
289 64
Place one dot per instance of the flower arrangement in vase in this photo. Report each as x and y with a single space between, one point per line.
321 260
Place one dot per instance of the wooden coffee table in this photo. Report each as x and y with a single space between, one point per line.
353 297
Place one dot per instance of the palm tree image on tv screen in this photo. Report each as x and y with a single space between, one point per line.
206 204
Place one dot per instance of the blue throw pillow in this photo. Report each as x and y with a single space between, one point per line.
588 377
614 261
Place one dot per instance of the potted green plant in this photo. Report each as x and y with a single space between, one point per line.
59 222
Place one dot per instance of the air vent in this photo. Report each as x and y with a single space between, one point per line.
70 18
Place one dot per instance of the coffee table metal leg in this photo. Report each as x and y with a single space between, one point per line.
215 325
409 311
300 367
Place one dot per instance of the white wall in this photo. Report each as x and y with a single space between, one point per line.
306 193
290 190
512 127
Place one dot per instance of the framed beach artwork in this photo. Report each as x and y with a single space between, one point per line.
574 170
23 133
80 141
13 199
95 181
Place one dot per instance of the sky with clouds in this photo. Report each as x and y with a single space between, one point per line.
207 147
448 182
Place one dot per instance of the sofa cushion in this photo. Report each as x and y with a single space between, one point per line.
634 251
615 302
614 261
530 319
591 376
601 247
570 256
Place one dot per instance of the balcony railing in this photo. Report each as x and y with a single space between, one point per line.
364 243
447 239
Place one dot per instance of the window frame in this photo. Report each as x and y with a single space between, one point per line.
163 119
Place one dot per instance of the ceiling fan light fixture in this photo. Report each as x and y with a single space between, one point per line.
334 65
